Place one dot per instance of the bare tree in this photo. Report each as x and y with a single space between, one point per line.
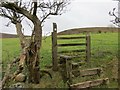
37 12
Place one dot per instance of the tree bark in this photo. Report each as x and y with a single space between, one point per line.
20 35
35 44
30 51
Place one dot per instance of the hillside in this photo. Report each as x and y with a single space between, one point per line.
72 31
92 29
5 35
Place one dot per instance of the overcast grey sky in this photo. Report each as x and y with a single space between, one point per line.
80 13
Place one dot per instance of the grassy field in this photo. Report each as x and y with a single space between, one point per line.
104 53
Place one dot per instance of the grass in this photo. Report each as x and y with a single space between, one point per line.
104 50
10 49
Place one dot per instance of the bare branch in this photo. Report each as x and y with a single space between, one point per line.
6 16
116 21
8 23
35 8
52 8
20 10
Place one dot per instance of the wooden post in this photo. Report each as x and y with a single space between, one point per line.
88 51
69 71
54 48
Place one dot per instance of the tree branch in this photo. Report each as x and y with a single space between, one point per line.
6 16
35 8
56 6
116 21
17 9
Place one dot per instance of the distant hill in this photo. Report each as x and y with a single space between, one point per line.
5 35
72 31
93 30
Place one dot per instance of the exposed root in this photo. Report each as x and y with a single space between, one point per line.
45 72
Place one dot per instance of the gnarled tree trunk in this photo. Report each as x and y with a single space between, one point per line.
30 51
33 60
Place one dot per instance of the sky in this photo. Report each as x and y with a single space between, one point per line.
79 14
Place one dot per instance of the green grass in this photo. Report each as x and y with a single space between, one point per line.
10 49
104 49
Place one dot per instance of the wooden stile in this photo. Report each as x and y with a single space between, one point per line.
55 46
70 69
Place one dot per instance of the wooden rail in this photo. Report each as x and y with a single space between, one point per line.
80 37
82 50
72 44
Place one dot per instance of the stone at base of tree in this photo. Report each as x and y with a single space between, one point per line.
20 77
17 85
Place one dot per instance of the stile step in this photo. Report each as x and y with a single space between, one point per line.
89 84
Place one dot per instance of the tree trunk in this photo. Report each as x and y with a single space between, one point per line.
20 34
33 60
30 51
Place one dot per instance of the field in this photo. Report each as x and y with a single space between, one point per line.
104 53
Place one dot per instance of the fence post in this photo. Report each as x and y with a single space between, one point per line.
88 49
54 48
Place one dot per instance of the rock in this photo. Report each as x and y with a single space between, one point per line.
16 85
20 77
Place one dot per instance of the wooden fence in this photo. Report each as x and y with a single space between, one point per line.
70 69
55 46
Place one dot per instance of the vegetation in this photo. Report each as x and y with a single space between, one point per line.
104 53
